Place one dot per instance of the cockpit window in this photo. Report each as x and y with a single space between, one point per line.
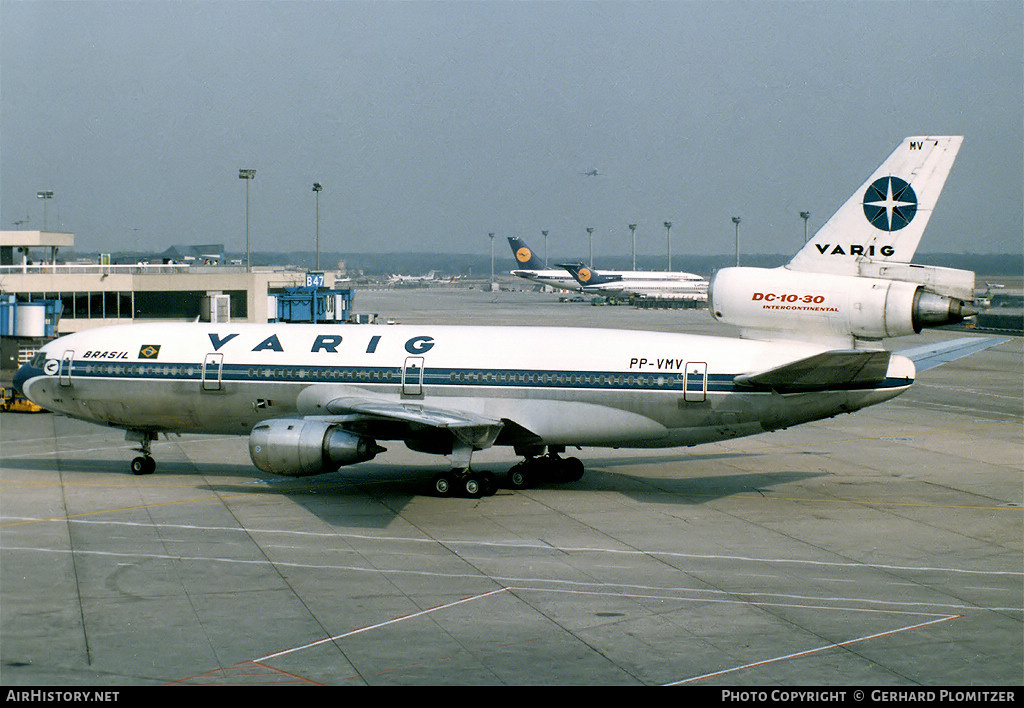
38 359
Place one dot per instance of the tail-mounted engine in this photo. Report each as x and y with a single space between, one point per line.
780 303
297 447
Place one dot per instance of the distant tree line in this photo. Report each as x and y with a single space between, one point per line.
479 266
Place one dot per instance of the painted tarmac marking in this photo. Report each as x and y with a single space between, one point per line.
522 545
261 661
780 599
379 625
75 517
808 652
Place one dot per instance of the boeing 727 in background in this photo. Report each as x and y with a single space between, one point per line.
533 268
314 397
656 284
619 282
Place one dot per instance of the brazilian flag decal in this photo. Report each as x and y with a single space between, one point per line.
149 351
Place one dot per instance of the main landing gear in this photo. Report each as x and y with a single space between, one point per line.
461 480
535 469
143 464
545 468
464 482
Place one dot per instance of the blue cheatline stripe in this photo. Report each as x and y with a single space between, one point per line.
392 375
503 378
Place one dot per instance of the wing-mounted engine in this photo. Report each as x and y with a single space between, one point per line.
901 299
301 447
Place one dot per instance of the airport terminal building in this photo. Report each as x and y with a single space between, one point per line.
42 297
102 293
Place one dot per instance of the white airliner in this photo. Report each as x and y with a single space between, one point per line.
621 282
314 397
400 279
533 268
658 284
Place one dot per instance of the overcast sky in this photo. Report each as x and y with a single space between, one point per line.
431 124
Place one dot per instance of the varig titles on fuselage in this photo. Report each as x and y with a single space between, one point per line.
328 343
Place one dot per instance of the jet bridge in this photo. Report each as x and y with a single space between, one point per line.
312 303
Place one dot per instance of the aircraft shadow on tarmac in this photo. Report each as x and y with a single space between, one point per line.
93 465
372 494
386 490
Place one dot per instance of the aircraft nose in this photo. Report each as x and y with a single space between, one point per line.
23 374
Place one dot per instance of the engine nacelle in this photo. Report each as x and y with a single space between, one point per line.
297 448
780 301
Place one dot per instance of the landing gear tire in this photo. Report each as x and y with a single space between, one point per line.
520 476
490 484
472 486
572 469
549 468
464 483
144 464
443 485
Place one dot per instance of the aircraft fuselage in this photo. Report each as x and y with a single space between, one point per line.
561 386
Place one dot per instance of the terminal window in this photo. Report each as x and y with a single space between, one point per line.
153 304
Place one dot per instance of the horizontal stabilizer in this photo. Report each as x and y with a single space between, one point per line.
828 370
931 355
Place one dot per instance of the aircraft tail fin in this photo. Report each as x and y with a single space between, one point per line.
586 276
525 258
885 218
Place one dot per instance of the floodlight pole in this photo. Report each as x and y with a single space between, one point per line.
491 235
317 188
46 196
805 215
736 220
668 242
248 176
632 229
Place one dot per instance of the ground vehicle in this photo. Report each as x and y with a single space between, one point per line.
11 400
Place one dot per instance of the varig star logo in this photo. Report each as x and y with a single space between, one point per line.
523 254
149 351
890 204
585 274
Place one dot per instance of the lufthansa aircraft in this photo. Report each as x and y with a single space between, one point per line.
533 268
625 282
314 397
661 284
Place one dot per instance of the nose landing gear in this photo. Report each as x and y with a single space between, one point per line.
143 464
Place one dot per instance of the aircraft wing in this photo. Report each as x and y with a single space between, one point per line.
929 356
828 370
478 431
